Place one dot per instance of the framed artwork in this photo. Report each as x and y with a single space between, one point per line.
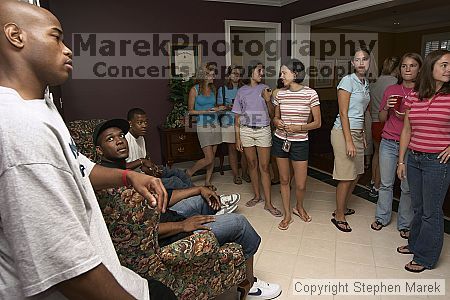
343 68
184 59
325 74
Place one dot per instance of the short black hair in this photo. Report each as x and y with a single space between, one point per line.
133 112
297 67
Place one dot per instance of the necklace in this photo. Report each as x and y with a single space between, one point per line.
404 92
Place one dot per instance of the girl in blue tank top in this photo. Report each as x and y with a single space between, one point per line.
202 104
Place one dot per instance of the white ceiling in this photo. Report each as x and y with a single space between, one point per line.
278 3
408 15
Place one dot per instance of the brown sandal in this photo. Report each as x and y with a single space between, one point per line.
253 202
274 212
237 180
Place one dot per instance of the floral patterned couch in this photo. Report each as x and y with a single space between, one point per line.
195 267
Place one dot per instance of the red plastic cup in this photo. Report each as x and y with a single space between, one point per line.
398 102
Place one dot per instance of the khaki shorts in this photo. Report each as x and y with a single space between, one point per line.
347 168
259 137
228 134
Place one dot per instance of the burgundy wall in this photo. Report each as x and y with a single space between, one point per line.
84 99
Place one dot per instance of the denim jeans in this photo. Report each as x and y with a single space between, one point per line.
388 170
429 181
174 178
228 228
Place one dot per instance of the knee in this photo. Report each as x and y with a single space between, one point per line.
209 159
264 168
252 164
300 188
284 180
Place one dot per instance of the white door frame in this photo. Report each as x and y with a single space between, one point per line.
253 24
301 26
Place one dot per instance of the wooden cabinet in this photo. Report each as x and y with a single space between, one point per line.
177 145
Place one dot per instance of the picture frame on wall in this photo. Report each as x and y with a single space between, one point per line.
325 73
343 68
184 59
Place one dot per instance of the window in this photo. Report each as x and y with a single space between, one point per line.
433 42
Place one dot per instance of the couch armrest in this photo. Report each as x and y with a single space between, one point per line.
196 249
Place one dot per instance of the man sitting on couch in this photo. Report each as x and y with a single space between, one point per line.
191 209
138 159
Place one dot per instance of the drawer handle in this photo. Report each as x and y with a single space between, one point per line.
180 149
182 137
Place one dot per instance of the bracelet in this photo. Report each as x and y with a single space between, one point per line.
400 163
142 163
124 177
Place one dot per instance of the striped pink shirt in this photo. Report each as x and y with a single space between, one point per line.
295 108
430 123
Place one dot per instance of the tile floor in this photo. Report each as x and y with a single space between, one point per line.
319 250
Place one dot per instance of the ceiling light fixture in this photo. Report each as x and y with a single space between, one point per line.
395 22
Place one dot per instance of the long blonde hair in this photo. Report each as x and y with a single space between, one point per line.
202 80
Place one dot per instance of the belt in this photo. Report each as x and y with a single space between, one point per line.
421 153
255 127
391 140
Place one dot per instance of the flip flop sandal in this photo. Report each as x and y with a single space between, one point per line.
284 226
274 212
404 233
246 178
404 250
211 187
338 223
253 202
237 180
304 219
413 263
378 225
350 211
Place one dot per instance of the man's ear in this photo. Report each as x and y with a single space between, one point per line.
99 151
14 35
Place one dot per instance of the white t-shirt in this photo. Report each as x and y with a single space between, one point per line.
136 147
51 227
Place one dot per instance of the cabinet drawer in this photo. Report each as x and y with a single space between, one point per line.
183 137
188 150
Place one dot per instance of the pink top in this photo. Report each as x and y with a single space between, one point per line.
430 123
394 125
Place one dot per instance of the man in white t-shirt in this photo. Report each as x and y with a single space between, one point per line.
172 178
54 243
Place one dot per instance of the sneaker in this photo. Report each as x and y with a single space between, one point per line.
373 192
229 200
227 209
264 290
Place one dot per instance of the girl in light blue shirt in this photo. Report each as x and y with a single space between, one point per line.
347 135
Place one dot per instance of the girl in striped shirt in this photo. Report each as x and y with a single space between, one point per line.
426 132
293 107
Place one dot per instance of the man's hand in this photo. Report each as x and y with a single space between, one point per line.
150 168
211 198
196 223
150 188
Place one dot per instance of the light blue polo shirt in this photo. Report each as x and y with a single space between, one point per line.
359 100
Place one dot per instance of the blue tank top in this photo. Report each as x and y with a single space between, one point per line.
203 102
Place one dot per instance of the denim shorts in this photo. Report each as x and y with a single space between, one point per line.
299 150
